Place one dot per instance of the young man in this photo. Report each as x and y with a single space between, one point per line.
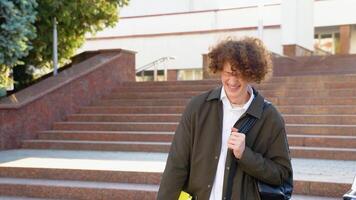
206 143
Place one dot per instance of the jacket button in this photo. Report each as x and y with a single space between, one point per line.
209 186
227 168
224 198
216 157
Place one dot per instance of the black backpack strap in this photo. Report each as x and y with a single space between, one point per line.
249 122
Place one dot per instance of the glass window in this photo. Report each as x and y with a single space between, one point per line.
190 74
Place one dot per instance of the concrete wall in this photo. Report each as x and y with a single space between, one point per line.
334 12
186 28
153 37
187 49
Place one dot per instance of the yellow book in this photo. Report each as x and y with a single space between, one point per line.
184 196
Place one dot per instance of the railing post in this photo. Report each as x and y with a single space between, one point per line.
155 78
165 69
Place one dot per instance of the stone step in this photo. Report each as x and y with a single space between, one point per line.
111 176
143 102
275 79
263 86
309 92
166 88
320 119
338 141
318 109
321 129
142 136
304 197
323 153
151 95
63 189
97 145
292 101
119 177
335 141
267 93
21 198
80 190
132 110
326 85
296 151
279 101
292 119
330 178
289 109
116 126
124 117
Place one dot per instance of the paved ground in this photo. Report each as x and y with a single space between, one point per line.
302 197
304 169
298 197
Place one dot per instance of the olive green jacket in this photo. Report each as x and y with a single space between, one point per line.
195 150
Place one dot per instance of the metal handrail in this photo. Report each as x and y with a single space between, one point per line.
154 65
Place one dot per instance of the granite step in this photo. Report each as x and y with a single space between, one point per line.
279 101
276 79
325 85
340 141
132 110
124 117
318 109
95 175
292 119
318 101
334 141
295 197
80 190
22 198
151 95
320 119
100 176
48 170
143 102
323 153
322 129
289 109
138 146
285 92
116 126
143 136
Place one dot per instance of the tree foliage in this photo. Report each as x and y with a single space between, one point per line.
75 19
16 31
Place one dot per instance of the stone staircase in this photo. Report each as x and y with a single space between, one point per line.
116 147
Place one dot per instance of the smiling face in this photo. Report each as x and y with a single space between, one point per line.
235 85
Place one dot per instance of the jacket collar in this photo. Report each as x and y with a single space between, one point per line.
256 107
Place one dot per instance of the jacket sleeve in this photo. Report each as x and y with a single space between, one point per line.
177 167
274 167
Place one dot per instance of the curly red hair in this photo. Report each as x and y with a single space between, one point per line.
249 56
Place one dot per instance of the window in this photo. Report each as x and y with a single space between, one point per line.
329 42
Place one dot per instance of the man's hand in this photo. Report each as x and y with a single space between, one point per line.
236 143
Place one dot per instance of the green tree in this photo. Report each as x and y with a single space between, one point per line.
75 19
16 30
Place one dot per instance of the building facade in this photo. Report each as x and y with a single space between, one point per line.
186 29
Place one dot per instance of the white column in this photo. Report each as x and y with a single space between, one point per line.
298 23
260 19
